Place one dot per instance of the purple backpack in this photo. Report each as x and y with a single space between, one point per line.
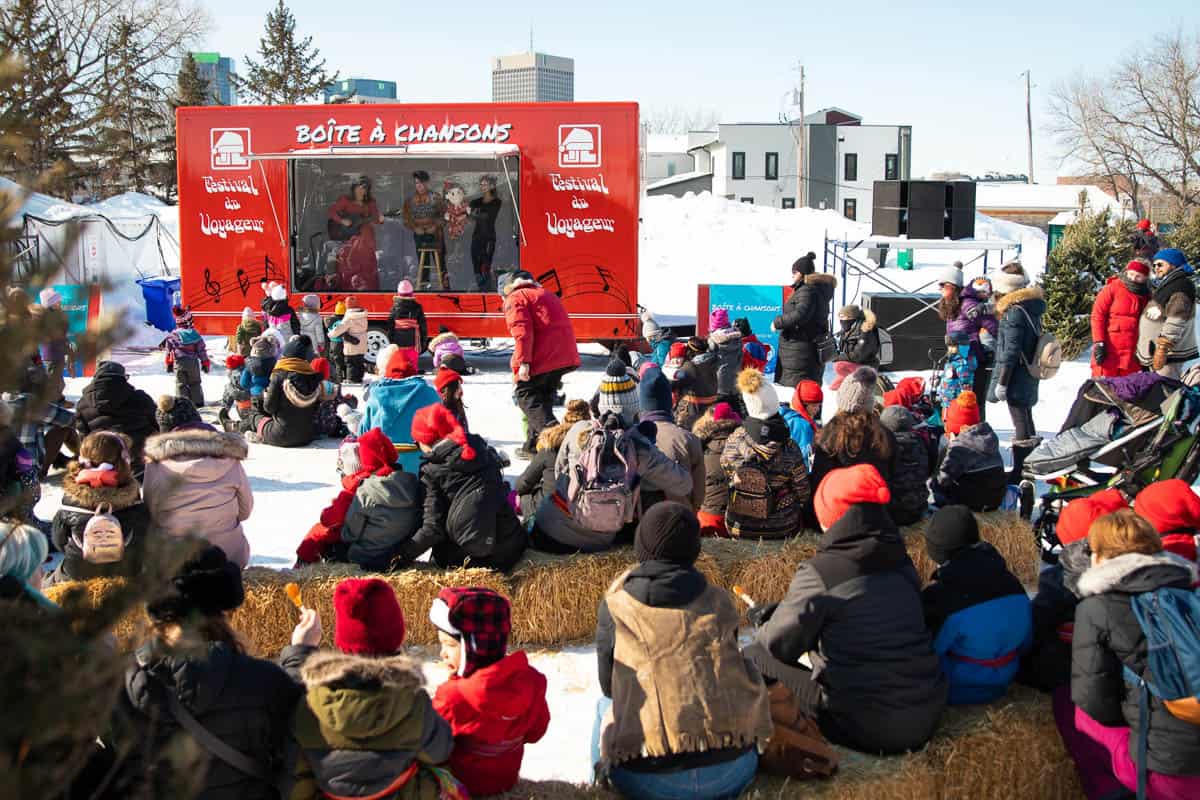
602 494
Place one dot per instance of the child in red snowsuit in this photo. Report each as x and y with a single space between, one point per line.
495 702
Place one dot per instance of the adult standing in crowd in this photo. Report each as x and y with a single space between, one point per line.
1020 308
804 323
544 351
1167 331
1144 240
1115 321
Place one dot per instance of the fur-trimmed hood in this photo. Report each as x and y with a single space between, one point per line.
296 396
869 320
818 278
441 339
331 666
194 444
1005 302
1134 573
706 428
81 495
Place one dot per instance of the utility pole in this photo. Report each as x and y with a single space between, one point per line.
1029 122
801 183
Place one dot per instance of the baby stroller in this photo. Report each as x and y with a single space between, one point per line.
1136 455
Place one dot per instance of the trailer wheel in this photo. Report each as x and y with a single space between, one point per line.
377 339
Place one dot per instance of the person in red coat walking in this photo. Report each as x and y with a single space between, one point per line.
494 701
1115 316
544 350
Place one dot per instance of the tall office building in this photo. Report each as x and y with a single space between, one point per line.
217 69
533 78
361 90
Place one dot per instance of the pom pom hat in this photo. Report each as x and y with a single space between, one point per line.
963 412
758 394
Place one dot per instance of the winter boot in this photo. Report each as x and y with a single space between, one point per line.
1021 448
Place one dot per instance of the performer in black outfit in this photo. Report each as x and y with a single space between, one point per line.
484 211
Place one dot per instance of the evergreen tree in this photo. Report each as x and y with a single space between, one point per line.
1186 236
1092 249
289 71
191 89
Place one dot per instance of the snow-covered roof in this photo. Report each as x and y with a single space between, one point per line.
681 177
1045 197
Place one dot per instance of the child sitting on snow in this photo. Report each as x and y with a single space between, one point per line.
329 421
187 356
971 470
234 394
257 374
448 352
247 331
494 700
448 384
975 608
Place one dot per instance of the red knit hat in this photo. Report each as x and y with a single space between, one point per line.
1077 516
843 488
963 412
678 350
1170 506
806 392
1140 267
436 422
321 365
445 377
376 453
235 361
1143 225
369 621
397 362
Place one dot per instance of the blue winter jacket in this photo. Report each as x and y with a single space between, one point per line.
982 623
801 430
391 405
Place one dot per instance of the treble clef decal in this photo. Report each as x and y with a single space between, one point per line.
212 288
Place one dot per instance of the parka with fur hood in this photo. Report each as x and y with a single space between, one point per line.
79 502
804 320
858 343
195 486
1020 314
713 434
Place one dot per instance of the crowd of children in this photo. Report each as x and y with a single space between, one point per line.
690 441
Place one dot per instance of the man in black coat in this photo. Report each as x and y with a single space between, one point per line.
111 403
803 323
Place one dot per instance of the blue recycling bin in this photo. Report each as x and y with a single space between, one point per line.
157 293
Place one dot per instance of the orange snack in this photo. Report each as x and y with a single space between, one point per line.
293 593
745 598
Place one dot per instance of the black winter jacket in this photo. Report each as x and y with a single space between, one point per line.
805 319
973 575
697 377
1108 637
245 702
78 501
292 400
860 343
855 609
660 584
1047 665
713 434
909 483
536 481
405 308
971 471
467 515
110 403
1016 341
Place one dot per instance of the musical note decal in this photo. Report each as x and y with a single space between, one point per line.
212 288
550 278
243 281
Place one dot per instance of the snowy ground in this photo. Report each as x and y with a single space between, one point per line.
292 486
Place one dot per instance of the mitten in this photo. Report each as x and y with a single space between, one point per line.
1099 351
1162 349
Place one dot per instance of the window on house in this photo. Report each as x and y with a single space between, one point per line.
850 167
749 200
850 209
788 202
670 169
771 169
891 167
739 166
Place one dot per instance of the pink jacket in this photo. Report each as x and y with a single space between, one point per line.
195 486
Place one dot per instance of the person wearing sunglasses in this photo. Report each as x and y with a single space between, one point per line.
1166 329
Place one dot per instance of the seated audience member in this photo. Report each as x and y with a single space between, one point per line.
908 393
853 435
259 365
233 395
683 713
803 416
195 484
467 517
447 351
1174 510
395 398
768 484
111 403
854 611
1128 559
537 481
291 400
677 444
975 607
1047 665
329 422
910 475
713 431
194 666
971 472
365 727
562 524
695 383
23 550
494 700
99 486
449 386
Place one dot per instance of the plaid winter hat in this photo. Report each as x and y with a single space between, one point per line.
618 393
479 618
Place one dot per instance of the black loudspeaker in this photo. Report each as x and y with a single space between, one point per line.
890 194
926 223
912 341
888 222
927 195
960 224
960 194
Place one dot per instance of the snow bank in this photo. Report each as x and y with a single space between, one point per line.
700 239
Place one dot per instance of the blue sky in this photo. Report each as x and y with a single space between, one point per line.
951 70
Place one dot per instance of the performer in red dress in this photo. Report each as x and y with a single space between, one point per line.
352 220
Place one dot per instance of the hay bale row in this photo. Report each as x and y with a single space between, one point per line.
555 597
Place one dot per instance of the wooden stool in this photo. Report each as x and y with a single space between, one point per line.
429 258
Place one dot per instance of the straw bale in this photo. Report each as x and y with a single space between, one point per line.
130 630
764 568
1005 530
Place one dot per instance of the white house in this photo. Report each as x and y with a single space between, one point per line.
756 162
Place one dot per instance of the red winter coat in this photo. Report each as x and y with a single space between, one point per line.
376 456
1115 322
541 330
494 713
